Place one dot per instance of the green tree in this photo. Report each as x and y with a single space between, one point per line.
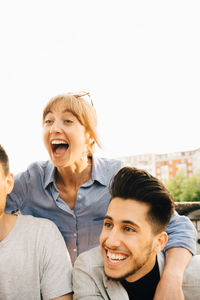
184 189
175 186
191 189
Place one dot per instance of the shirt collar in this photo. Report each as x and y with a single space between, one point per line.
99 174
49 174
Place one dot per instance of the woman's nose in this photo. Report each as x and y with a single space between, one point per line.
55 127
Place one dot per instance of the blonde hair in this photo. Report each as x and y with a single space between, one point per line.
82 109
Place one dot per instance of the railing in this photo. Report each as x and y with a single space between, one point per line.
191 210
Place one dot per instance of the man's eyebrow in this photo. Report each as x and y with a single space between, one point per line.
108 217
123 221
130 222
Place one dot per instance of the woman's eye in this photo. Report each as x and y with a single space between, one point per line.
48 121
67 121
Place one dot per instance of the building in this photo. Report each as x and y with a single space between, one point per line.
166 166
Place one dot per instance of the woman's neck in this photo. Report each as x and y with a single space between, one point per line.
75 175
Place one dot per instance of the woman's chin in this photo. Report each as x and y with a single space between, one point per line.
59 160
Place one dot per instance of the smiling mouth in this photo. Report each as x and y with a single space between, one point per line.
59 147
115 257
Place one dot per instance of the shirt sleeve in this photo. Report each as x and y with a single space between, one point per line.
16 198
84 285
181 233
56 265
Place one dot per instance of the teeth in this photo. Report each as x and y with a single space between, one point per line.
116 256
56 142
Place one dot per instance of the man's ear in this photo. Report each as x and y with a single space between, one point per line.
9 183
160 241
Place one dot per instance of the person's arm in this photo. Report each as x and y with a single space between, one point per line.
178 250
170 285
181 234
65 297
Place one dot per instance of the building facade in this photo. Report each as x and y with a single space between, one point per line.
166 166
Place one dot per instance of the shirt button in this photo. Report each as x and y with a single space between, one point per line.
75 234
79 196
75 250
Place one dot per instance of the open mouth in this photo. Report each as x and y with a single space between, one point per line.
59 147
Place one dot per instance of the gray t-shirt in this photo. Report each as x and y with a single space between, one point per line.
34 261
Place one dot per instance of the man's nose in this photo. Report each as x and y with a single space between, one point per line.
113 239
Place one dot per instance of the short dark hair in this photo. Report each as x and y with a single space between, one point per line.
4 161
139 185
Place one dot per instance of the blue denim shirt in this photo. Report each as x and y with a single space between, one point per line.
35 193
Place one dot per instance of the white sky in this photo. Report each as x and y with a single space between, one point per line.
139 59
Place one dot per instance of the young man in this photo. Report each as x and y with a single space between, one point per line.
128 265
34 261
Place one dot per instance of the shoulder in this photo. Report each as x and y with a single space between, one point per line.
41 225
40 167
108 162
88 275
192 274
88 269
42 232
90 259
103 169
106 168
35 169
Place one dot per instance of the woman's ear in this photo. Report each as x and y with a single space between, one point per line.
91 140
160 241
89 137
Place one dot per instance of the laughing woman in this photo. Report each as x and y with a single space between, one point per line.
72 188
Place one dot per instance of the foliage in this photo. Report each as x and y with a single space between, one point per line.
185 189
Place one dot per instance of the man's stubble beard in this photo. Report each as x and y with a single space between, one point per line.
137 266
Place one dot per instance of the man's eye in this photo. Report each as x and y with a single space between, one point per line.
128 229
107 224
